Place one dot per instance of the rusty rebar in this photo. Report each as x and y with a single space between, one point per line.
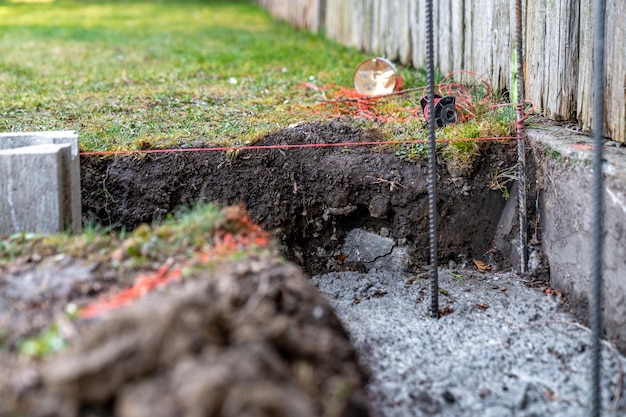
598 206
521 145
432 162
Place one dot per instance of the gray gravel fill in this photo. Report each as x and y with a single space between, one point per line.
504 350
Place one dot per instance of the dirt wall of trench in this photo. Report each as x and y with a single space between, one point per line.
311 197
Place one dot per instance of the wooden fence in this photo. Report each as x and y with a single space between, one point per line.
302 14
479 36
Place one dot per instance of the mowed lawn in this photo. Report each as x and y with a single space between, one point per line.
136 74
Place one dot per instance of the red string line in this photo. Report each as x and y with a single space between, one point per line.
348 102
290 146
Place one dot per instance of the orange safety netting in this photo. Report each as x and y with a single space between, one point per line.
235 232
166 274
474 97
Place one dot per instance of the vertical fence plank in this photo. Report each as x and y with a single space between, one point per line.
585 66
380 18
417 32
503 36
393 30
535 52
467 35
364 14
615 88
302 14
457 9
333 20
442 30
377 40
552 56
479 37
398 39
354 30
562 74
404 29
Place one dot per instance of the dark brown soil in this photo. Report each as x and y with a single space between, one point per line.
310 197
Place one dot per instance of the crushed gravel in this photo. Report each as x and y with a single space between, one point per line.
502 348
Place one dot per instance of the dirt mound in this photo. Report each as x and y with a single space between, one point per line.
253 338
310 197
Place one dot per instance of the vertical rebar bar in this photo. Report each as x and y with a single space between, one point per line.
598 207
521 147
432 162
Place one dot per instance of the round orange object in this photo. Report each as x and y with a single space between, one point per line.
375 77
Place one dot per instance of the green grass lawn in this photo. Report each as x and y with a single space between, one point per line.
136 74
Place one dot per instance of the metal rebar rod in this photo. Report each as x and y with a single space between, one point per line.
598 206
432 162
521 146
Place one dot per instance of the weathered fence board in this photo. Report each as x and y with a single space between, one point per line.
479 36
584 99
503 52
616 69
552 57
338 12
443 30
302 14
479 49
457 37
417 30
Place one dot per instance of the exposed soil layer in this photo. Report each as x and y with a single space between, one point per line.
310 197
253 338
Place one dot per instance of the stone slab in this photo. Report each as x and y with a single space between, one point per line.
15 149
32 177
14 140
506 239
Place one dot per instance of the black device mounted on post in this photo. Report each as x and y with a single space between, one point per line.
445 110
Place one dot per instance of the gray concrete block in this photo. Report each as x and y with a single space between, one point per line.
565 207
39 182
22 139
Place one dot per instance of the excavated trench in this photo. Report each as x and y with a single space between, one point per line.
312 198
258 337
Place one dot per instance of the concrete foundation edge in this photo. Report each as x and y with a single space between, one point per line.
564 204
